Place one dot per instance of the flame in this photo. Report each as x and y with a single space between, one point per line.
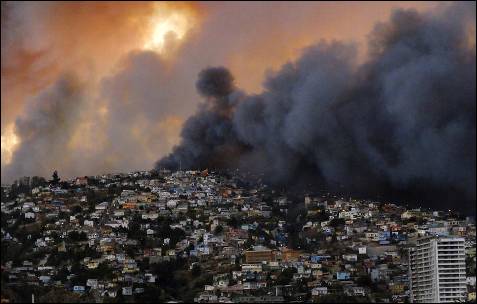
10 142
169 26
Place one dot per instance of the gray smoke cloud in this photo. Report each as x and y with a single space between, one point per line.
140 96
46 128
119 124
401 124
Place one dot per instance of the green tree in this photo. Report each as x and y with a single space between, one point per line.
286 276
233 222
196 270
55 178
75 236
337 222
219 229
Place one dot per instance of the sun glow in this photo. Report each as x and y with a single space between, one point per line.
168 27
9 144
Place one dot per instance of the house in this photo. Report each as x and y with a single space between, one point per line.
251 267
92 264
380 273
350 257
206 298
79 288
44 279
171 204
259 299
29 215
151 216
319 258
119 213
93 283
259 254
81 181
221 280
372 236
150 278
110 293
342 276
182 207
127 291
354 291
88 223
102 206
62 247
27 206
319 291
289 255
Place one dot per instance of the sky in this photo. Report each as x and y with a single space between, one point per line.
99 87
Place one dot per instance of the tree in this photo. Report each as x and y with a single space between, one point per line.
233 222
196 270
60 295
75 236
365 281
218 229
337 222
55 178
286 276
61 275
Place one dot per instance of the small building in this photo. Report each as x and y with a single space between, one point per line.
258 255
79 288
127 291
319 291
342 276
81 181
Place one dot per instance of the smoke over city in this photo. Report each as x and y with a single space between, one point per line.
375 98
402 122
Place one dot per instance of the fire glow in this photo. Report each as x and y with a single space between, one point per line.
168 25
9 142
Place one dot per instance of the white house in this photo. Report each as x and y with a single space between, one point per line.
29 215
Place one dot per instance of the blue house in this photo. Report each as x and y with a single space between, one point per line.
342 276
281 237
398 236
57 203
78 288
319 258
315 258
384 235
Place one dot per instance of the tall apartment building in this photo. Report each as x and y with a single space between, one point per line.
437 270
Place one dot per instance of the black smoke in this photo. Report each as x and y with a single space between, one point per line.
400 125
208 137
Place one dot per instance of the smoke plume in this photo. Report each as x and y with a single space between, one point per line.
400 125
47 126
135 90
